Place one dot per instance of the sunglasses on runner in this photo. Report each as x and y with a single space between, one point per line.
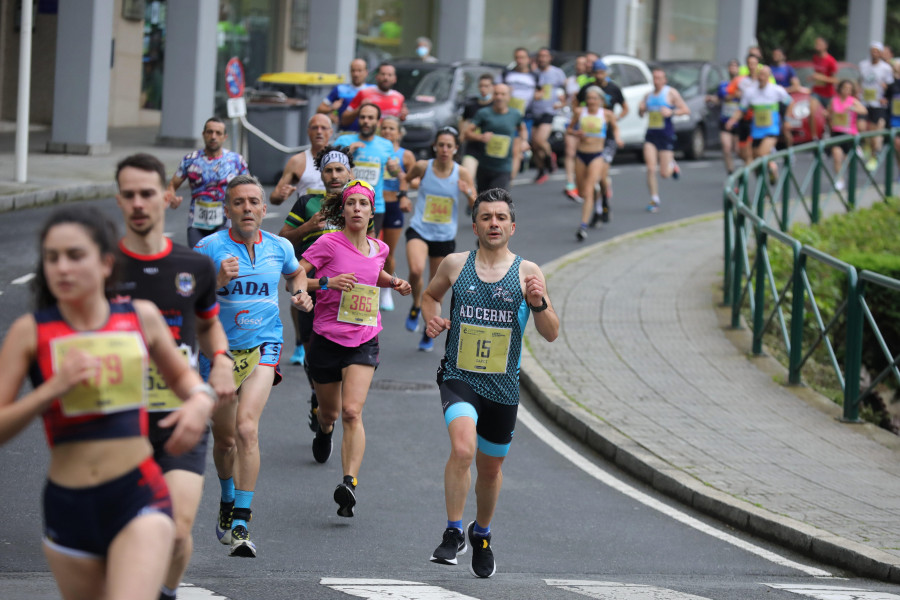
353 182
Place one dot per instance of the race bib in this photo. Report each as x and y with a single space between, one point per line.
840 119
159 397
497 146
360 305
518 104
762 117
592 125
369 171
315 192
895 107
482 349
729 108
655 120
387 175
870 95
118 384
245 361
438 209
547 91
208 214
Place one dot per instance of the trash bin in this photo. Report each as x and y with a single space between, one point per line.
312 87
282 119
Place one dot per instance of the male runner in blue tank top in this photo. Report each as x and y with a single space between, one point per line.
493 291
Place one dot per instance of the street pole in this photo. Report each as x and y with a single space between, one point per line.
24 97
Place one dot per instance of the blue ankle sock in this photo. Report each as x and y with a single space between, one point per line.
227 486
454 524
481 531
242 499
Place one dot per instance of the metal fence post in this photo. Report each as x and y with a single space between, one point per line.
728 213
797 316
786 190
759 292
851 173
817 182
854 347
889 163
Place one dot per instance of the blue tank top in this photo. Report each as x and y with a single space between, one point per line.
657 123
894 108
391 183
592 125
484 344
436 212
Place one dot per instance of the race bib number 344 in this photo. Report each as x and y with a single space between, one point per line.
482 349
118 384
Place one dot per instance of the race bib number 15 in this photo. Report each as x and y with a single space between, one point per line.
482 349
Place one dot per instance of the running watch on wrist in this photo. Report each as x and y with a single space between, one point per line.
540 308
323 283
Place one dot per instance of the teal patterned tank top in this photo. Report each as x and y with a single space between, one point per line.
484 344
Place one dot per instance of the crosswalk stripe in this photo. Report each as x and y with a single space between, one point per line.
614 590
187 591
830 592
391 589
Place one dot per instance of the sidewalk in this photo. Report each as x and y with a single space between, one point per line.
644 371
54 178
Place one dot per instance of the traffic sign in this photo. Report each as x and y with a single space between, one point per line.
234 78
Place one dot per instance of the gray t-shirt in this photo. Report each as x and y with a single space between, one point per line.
550 83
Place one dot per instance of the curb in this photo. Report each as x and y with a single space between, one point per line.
60 195
653 470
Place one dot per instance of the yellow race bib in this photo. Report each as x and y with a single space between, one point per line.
870 95
518 104
655 120
497 146
762 117
245 361
438 209
360 305
119 382
592 125
159 397
482 349
895 107
547 91
841 119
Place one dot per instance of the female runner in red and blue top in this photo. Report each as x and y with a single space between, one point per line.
108 529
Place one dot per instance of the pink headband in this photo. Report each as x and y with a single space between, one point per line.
358 189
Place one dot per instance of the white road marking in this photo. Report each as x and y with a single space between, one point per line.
23 279
391 589
613 590
828 592
187 591
620 486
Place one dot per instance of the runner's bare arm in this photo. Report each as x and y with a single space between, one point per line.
285 186
211 337
534 287
171 199
442 281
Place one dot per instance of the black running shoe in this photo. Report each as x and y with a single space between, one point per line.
346 499
453 544
241 544
595 220
313 421
483 564
223 526
321 445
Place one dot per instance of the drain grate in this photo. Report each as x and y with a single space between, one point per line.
396 385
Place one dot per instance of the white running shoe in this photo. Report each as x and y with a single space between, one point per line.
387 300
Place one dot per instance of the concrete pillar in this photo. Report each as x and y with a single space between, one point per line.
189 71
736 29
865 25
81 81
460 32
332 36
607 27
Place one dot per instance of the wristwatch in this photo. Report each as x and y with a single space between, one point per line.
323 283
540 308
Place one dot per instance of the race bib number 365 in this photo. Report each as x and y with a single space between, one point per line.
359 306
482 349
118 384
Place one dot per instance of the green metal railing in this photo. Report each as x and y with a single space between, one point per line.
760 208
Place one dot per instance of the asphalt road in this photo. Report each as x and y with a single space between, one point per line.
560 532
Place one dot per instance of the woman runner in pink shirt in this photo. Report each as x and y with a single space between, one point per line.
842 115
343 352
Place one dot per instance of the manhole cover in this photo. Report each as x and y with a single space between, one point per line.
395 385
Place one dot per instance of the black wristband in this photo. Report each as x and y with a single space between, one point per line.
298 292
401 194
540 308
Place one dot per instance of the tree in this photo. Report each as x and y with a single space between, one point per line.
794 26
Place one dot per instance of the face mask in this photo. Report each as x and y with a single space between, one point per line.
487 97
422 51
